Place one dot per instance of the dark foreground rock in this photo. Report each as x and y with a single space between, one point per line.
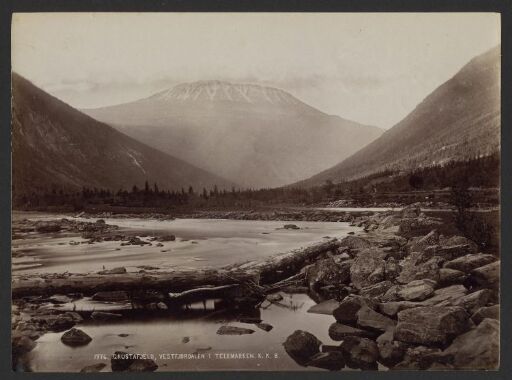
360 353
492 312
332 361
142 365
120 361
338 331
478 348
487 275
93 368
302 346
75 337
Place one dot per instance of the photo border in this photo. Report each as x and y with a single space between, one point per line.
504 7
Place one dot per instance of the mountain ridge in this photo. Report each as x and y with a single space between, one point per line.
258 136
55 145
458 120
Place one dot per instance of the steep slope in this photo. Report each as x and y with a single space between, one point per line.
54 145
459 120
257 136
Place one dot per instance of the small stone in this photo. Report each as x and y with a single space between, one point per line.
264 326
276 297
60 299
232 330
104 316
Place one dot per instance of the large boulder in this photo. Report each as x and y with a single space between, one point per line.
58 322
455 240
478 348
325 307
391 352
418 244
370 319
75 337
327 272
414 269
487 275
22 344
492 312
421 357
431 325
417 290
391 309
474 301
339 331
391 269
446 296
376 290
360 353
451 277
355 242
469 262
368 268
346 312
302 346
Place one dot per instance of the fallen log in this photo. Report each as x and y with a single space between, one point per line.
271 270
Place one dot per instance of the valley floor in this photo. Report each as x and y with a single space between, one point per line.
386 291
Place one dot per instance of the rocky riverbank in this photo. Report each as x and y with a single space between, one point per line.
424 302
401 295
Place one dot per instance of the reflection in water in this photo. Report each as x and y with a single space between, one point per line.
187 332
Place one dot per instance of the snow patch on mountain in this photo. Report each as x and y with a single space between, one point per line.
214 90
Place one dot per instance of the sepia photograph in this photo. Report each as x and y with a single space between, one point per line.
255 191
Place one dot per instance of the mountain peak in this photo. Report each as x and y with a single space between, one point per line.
216 90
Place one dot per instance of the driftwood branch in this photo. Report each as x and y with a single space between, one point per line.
270 271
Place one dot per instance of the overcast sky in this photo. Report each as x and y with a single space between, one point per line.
371 68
